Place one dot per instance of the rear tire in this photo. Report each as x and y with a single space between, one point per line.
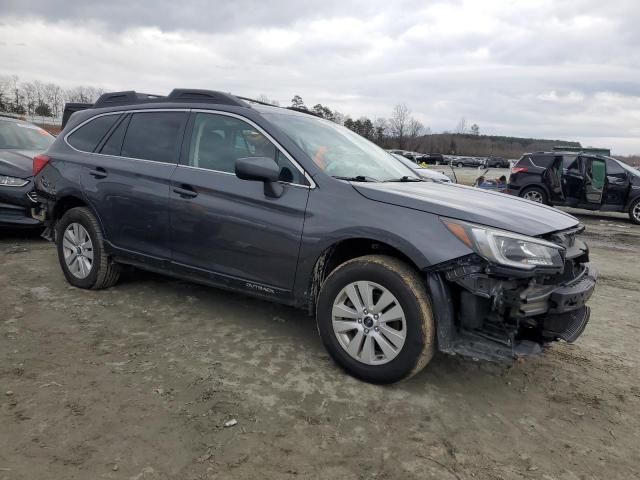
387 333
634 211
535 194
81 253
460 165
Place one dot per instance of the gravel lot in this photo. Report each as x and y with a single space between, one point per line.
137 382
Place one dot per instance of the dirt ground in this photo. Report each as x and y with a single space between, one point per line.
137 382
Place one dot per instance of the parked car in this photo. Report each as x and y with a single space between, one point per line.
295 209
423 173
467 162
497 162
19 142
592 182
405 153
433 158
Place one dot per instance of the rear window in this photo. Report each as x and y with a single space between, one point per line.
154 136
88 136
540 161
23 136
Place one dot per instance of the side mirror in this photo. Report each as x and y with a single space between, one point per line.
261 169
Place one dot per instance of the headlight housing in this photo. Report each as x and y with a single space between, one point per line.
7 181
506 248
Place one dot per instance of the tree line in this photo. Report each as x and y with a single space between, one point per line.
401 130
40 98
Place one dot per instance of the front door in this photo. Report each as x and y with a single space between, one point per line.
228 229
617 185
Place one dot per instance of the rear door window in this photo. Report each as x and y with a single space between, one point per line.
154 136
113 145
542 161
87 137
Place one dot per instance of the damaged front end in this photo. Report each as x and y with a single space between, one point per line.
493 309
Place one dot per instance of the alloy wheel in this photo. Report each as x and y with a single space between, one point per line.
534 196
369 322
636 212
78 250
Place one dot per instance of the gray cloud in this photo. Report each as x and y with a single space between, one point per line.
533 67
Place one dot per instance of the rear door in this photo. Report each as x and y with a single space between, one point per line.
127 180
617 184
552 176
595 177
227 229
573 180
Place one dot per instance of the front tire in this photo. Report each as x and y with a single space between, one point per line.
634 211
81 253
460 165
535 194
374 318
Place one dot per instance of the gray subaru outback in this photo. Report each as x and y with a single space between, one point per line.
285 206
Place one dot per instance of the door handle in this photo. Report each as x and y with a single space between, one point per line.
185 191
98 172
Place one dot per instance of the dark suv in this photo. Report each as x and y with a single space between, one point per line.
592 182
296 209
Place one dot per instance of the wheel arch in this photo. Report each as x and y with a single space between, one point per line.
541 186
347 249
66 202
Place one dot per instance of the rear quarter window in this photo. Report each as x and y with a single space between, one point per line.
88 136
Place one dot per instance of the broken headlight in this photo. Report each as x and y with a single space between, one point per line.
506 248
6 181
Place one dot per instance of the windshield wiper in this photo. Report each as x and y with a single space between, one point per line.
357 178
406 178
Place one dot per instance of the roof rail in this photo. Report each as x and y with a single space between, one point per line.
124 98
303 110
204 96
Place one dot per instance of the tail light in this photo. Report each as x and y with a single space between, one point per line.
39 163
519 169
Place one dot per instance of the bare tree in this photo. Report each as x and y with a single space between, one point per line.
399 123
475 129
414 131
462 126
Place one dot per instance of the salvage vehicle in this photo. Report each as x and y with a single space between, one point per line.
582 180
295 209
19 142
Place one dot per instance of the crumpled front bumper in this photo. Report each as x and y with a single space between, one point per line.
495 316
15 206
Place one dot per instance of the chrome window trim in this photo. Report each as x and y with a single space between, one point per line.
311 185
234 175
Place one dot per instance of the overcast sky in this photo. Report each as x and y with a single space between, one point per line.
543 68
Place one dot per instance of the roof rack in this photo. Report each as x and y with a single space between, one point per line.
131 97
303 110
124 98
204 96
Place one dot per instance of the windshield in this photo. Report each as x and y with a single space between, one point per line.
23 136
338 151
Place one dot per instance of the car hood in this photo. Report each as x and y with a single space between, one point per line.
470 204
17 163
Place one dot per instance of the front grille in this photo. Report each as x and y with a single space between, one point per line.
566 238
33 196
